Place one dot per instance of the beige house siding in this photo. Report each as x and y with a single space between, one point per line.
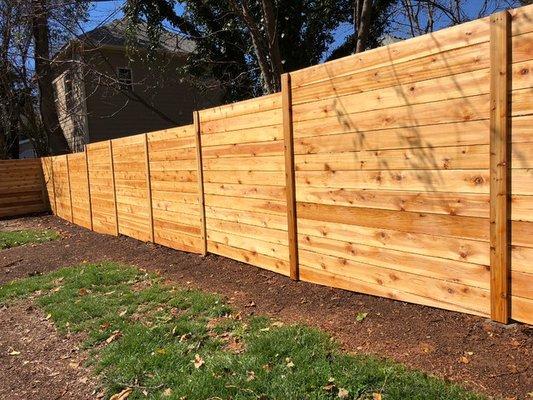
71 110
114 113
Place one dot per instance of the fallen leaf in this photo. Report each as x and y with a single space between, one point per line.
376 396
251 376
250 304
464 360
122 395
343 393
82 292
360 316
113 337
105 326
167 392
122 313
74 365
14 353
330 386
198 361
185 337
289 362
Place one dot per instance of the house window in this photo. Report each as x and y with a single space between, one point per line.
125 79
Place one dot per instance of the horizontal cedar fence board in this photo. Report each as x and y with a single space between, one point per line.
454 134
392 156
458 249
23 186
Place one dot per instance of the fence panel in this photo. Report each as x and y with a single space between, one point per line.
131 187
244 182
79 190
21 187
62 187
102 188
383 207
174 188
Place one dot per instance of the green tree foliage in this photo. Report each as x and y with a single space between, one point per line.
228 51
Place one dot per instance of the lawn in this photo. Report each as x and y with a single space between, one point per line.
10 239
152 340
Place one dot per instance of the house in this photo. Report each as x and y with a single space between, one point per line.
104 90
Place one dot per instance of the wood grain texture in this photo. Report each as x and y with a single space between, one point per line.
290 184
500 31
22 185
200 178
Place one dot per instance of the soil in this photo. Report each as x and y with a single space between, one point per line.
36 362
484 356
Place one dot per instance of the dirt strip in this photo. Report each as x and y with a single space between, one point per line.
473 351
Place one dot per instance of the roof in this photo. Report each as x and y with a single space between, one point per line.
114 34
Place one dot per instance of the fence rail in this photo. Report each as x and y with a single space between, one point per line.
403 172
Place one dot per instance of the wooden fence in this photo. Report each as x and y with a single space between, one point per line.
403 172
21 188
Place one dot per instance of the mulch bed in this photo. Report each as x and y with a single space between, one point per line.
484 356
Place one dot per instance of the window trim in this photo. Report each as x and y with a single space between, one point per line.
123 82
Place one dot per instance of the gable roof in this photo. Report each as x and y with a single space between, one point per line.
115 33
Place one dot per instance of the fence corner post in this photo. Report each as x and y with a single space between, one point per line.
88 187
288 145
200 178
500 36
149 190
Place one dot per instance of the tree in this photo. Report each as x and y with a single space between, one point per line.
30 33
247 44
418 17
43 69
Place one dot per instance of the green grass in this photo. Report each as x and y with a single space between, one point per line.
18 238
163 329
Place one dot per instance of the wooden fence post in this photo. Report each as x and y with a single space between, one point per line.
69 191
201 197
113 184
88 187
288 144
149 190
500 24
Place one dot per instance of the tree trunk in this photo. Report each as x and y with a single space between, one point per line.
259 48
362 13
43 69
273 43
